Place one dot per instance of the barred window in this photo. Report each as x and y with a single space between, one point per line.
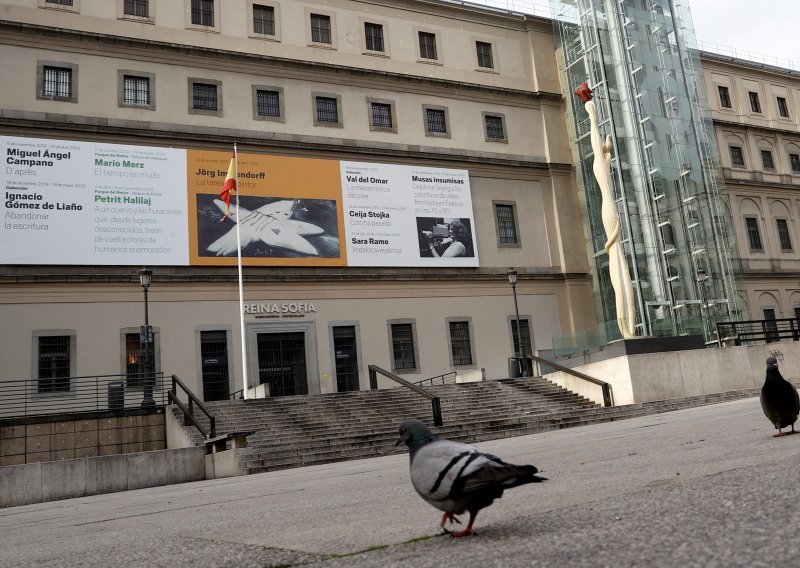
724 97
268 103
320 28
374 36
204 96
427 45
60 2
136 90
766 159
526 336
135 364
203 13
381 115
56 82
737 156
54 363
506 224
403 346
783 108
436 121
263 19
485 59
494 127
139 8
327 110
459 343
794 162
783 235
753 233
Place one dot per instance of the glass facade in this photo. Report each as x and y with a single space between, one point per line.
640 59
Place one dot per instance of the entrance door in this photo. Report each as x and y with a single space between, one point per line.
344 345
282 363
214 355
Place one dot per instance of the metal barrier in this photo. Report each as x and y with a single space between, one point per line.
91 393
608 397
188 408
435 402
444 379
756 331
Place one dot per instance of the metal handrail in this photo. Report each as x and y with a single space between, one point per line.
766 330
188 412
435 402
443 377
608 397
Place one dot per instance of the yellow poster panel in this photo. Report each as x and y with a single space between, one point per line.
290 211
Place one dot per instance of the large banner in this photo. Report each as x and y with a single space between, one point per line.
108 204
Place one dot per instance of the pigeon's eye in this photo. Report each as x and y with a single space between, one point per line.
402 430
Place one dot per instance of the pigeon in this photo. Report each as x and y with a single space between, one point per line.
779 398
455 477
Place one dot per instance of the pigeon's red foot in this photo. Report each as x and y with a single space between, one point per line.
449 517
466 532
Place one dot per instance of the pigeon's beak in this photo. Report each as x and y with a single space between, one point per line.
398 442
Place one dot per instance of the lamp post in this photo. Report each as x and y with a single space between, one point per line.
146 336
701 280
512 279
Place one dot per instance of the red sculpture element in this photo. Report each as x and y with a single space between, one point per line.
584 92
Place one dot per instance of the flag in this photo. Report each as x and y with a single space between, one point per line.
229 187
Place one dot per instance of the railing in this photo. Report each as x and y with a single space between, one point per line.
188 408
91 393
755 331
445 379
608 397
238 395
435 402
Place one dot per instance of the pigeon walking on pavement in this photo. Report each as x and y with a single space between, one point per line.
779 398
455 477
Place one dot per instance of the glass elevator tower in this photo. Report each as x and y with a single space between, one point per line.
640 59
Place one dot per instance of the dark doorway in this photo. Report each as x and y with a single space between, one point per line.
344 346
214 358
282 363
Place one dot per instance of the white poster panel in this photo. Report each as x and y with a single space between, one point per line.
407 216
88 203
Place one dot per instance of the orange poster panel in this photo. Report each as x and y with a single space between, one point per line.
290 211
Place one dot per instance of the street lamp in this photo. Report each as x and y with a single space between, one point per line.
512 279
701 280
146 337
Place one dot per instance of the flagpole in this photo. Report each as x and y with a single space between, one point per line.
245 383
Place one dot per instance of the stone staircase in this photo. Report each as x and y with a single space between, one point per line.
297 431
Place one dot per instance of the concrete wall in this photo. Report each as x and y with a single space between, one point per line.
663 376
25 441
66 479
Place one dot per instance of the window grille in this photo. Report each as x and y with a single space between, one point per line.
783 235
403 346
506 225
139 8
320 28
57 82
766 159
327 110
54 363
485 59
136 90
135 364
526 336
204 96
459 343
203 13
753 234
263 19
427 45
382 115
60 2
737 156
214 363
268 103
436 121
374 36
494 127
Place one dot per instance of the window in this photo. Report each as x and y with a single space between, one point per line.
753 234
737 156
506 218
214 365
766 159
382 115
135 90
321 29
770 325
526 336
794 161
263 20
435 121
56 82
138 8
755 105
135 364
54 352
783 235
268 103
373 33
204 97
203 13
724 97
427 45
59 2
485 59
327 110
783 108
460 344
494 129
403 351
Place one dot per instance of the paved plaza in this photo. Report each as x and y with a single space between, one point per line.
707 487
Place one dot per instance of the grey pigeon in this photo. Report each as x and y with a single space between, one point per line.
779 398
455 477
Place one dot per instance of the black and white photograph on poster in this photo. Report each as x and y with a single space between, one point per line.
441 237
277 227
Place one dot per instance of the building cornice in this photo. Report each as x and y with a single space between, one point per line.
756 127
717 58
